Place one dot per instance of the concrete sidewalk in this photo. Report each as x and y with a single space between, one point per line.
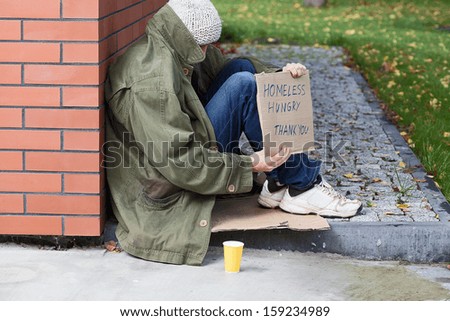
30 273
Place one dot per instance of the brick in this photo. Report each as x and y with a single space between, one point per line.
143 23
126 3
61 30
62 162
83 96
10 74
10 30
30 225
11 203
83 183
150 6
84 141
30 182
29 52
106 27
127 17
11 161
107 7
30 139
81 8
61 75
139 29
103 70
10 117
108 47
125 37
29 96
63 204
29 9
82 226
120 20
81 53
62 118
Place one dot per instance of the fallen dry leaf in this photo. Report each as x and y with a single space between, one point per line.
391 84
376 180
420 180
402 206
402 164
389 67
389 213
446 134
111 246
348 175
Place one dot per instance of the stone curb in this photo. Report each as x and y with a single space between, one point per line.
412 242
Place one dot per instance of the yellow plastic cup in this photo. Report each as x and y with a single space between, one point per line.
232 254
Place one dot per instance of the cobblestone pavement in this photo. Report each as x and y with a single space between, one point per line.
360 159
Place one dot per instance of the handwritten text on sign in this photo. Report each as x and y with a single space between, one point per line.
285 111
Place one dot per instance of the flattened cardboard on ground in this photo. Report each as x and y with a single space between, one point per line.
285 112
244 213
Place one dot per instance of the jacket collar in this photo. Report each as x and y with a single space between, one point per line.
177 36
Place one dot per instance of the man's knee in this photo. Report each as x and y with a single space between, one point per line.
244 80
246 65
241 64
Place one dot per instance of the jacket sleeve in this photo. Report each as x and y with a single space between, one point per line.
216 61
159 124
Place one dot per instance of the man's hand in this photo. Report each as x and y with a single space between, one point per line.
297 70
269 163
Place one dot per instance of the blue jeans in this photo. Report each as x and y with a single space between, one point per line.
231 107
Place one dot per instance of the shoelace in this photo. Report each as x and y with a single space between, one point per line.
330 190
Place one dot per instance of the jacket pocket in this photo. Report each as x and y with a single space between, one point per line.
161 203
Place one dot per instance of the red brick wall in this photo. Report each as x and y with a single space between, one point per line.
54 56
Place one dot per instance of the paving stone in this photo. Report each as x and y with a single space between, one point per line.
367 215
395 218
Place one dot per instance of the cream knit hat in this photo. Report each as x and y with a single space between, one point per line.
200 17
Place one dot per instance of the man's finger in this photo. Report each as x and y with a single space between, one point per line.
282 156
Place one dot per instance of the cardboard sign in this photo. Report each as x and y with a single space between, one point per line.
285 112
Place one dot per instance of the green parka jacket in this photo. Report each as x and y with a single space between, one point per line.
163 167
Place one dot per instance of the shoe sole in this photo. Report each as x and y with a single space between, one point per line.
295 209
268 202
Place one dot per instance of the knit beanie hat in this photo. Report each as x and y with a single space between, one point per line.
200 17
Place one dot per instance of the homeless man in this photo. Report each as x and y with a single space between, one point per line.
176 111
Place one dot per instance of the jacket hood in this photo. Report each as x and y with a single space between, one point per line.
176 35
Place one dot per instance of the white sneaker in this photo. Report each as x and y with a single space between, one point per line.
323 200
268 199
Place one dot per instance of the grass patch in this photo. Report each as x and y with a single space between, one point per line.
402 48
